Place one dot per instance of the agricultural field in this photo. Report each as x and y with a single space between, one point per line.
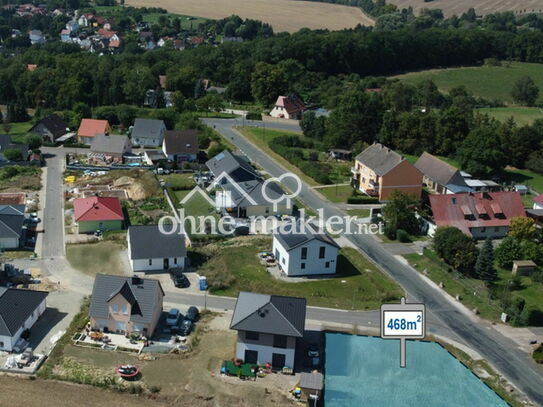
283 15
521 115
451 7
490 82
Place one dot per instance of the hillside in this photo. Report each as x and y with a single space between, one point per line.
283 15
458 7
484 81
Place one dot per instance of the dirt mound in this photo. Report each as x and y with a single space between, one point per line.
135 189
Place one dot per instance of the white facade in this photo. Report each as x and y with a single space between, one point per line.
9 243
266 350
537 206
307 259
8 342
157 264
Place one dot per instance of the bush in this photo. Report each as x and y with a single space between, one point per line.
361 199
531 316
390 232
253 116
402 236
538 354
456 249
155 389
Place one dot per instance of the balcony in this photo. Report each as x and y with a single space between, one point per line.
355 171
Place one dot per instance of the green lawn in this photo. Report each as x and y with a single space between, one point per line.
359 213
95 258
474 293
358 284
521 115
197 206
179 181
337 194
484 81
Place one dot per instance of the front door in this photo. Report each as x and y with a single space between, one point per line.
251 356
166 264
278 360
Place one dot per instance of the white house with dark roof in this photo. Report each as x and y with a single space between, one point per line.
11 226
19 311
148 132
151 250
236 166
304 252
125 304
269 327
180 145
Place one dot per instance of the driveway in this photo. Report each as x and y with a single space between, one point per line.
498 350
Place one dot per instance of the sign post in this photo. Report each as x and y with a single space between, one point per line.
403 321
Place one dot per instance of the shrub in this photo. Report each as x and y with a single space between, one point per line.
155 389
402 236
390 232
253 116
456 249
361 199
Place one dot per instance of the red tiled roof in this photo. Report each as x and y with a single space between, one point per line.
292 104
31 67
92 127
484 209
97 208
106 33
539 199
114 43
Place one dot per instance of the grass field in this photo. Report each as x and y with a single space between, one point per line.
357 285
473 292
94 258
337 194
481 6
484 81
521 115
283 15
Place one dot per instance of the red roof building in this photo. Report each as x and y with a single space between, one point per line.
98 213
89 128
481 215
288 107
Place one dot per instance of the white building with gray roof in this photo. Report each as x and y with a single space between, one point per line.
151 250
148 132
268 328
304 252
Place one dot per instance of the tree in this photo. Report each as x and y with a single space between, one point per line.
480 153
484 266
13 154
268 82
313 127
525 91
34 141
456 249
507 252
399 213
522 228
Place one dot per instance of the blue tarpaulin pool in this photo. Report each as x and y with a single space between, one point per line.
365 371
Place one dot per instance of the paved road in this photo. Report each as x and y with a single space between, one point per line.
53 218
500 351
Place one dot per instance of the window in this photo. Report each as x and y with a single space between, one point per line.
302 266
252 336
279 341
277 256
175 260
322 252
1 344
283 260
483 230
115 308
125 309
304 253
150 262
497 229
327 264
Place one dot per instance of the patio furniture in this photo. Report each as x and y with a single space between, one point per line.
243 371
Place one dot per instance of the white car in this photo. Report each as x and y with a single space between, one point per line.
173 317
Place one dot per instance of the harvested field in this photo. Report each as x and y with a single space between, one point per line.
283 15
458 7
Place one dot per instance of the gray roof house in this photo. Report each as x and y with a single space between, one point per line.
439 175
125 304
379 158
148 132
11 226
181 145
268 327
234 165
149 249
19 310
300 250
7 144
113 146
50 128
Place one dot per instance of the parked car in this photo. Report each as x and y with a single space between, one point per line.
34 218
173 317
192 314
180 280
313 351
185 328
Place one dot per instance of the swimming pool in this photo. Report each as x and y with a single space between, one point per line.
365 371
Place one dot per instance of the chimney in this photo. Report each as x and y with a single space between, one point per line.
136 280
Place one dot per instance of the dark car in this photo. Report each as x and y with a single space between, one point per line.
192 314
180 280
185 328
